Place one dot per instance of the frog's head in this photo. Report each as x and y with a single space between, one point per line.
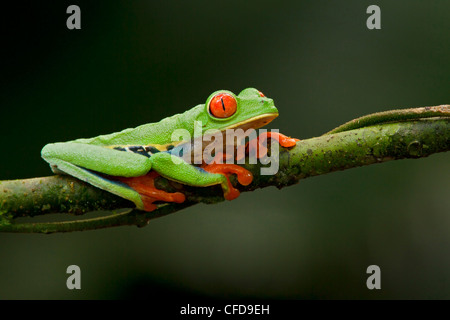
250 109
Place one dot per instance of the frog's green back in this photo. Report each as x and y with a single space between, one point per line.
250 109
150 133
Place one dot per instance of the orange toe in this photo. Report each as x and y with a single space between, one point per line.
244 177
282 139
145 186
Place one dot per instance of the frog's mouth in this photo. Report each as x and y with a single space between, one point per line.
255 122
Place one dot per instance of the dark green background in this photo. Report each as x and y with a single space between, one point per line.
133 63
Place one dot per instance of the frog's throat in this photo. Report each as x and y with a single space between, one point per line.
255 122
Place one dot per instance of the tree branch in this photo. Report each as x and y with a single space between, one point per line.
331 152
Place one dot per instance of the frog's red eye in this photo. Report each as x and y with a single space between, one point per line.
261 94
222 105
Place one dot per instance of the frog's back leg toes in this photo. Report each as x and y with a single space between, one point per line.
145 186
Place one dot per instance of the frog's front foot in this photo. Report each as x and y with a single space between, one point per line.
145 186
244 177
258 146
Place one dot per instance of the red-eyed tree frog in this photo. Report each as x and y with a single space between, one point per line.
126 163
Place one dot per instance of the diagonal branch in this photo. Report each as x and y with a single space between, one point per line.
331 152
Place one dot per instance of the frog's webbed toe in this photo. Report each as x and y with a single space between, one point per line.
258 146
145 186
244 177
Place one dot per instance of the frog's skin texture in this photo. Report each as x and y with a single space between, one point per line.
125 163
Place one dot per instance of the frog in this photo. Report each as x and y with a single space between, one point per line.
127 163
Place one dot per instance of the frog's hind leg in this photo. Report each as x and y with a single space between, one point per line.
116 187
140 190
91 163
145 186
